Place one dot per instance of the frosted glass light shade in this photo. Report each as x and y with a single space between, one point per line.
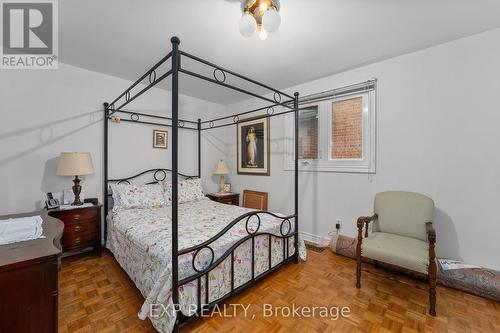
271 20
247 25
262 34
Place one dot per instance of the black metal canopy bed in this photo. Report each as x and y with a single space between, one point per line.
187 256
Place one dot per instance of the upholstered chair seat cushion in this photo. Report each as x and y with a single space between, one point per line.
401 251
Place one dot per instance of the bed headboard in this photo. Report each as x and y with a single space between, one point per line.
157 175
151 176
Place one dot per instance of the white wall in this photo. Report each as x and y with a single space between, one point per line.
44 112
438 127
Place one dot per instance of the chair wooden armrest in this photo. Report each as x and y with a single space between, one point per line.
365 221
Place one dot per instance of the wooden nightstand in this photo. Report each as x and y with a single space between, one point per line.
82 227
226 198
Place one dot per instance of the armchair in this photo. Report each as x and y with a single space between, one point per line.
402 236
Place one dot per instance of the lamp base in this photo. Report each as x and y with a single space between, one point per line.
221 184
77 189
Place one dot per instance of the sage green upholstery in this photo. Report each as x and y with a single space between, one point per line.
406 252
403 213
402 235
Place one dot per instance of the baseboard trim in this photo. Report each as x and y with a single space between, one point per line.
318 240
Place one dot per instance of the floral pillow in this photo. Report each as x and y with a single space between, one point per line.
137 196
189 190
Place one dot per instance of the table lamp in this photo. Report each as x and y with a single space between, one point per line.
75 164
221 169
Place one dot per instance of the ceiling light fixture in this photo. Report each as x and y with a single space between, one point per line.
261 16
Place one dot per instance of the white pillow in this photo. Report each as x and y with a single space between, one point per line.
189 190
127 196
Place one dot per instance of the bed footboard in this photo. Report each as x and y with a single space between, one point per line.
252 222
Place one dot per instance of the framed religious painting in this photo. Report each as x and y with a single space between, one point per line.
253 148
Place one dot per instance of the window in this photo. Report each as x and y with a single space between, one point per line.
308 133
335 134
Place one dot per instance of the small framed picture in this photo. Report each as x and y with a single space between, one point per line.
160 139
226 188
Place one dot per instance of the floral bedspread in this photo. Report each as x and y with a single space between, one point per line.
140 239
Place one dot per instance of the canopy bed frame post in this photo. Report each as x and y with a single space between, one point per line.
105 171
199 148
296 175
175 125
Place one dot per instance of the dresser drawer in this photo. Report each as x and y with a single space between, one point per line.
77 239
76 215
81 226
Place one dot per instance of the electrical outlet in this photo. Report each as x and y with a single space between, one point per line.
338 224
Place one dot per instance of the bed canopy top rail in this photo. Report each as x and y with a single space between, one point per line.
235 119
241 90
135 117
129 98
220 77
239 114
224 71
152 78
156 124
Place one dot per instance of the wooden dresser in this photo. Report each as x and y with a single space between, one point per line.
28 280
226 198
82 228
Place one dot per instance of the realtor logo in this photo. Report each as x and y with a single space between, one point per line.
29 35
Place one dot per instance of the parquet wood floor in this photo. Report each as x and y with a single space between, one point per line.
96 295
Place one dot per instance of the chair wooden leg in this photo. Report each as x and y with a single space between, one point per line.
432 270
358 265
358 251
432 288
358 271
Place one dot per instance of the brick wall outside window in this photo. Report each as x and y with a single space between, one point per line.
308 137
347 129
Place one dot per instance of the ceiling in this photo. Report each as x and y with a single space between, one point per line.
317 38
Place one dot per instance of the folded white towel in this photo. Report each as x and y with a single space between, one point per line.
20 229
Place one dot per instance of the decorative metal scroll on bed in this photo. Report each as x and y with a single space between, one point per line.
285 233
286 103
154 172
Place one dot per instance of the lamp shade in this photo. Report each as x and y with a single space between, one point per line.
221 168
75 164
